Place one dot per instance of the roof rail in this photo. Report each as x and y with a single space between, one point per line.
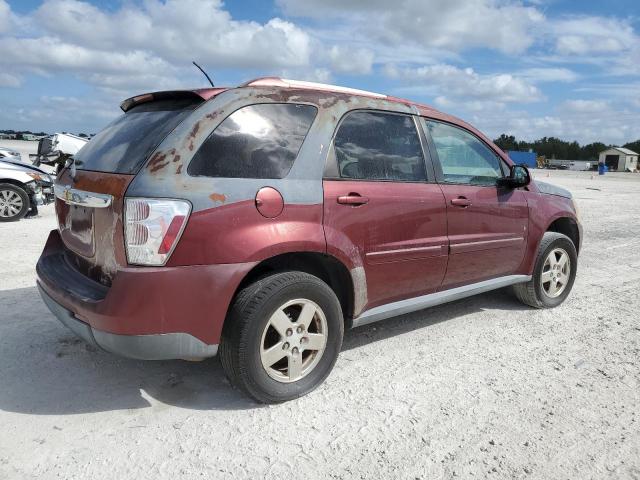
287 83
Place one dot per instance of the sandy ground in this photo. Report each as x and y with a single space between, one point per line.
482 388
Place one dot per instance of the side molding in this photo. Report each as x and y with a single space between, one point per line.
425 301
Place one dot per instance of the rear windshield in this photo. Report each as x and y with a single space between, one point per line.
125 144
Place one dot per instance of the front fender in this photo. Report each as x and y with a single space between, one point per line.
543 211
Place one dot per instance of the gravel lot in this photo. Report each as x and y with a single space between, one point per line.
483 387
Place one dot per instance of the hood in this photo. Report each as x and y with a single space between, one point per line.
19 167
548 189
24 165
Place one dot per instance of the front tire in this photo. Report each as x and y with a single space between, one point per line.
282 336
14 202
553 275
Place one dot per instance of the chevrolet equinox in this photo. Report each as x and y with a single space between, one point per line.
259 222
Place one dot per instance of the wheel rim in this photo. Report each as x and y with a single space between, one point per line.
294 340
10 203
556 271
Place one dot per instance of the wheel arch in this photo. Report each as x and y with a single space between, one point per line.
15 183
566 226
326 267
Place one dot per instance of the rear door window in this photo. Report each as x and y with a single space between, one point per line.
126 143
463 157
379 146
256 141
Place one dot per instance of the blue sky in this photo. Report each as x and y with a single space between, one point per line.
528 68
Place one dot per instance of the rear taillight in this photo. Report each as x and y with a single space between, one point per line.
153 228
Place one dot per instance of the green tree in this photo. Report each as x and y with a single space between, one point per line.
506 142
635 146
592 151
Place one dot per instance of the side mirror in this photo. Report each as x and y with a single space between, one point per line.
519 176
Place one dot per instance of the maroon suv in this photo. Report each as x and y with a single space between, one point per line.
263 220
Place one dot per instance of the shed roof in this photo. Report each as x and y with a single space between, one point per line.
626 151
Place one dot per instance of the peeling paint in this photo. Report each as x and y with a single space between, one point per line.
156 158
218 197
192 135
158 166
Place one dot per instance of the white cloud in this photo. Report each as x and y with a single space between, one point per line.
9 80
449 81
53 54
5 16
447 24
539 75
415 44
585 106
88 114
146 47
347 60
178 31
583 36
607 124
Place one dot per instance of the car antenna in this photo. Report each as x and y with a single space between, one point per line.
204 73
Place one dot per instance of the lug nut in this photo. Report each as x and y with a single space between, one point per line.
304 340
285 346
299 329
289 332
295 350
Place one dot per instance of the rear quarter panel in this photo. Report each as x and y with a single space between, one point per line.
225 226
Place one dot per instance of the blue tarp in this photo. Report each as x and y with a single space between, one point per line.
528 158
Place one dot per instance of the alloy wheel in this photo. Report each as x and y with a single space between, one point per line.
293 340
10 203
556 272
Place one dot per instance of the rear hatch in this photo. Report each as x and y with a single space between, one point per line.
90 194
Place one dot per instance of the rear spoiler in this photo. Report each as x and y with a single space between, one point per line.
203 94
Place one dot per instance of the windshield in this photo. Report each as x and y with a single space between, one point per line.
126 143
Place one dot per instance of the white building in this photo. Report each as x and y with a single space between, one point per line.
619 159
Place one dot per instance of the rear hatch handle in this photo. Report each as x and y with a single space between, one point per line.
82 198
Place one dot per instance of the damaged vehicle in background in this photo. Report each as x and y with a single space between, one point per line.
22 189
57 149
8 154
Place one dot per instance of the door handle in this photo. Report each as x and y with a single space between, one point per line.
461 202
352 198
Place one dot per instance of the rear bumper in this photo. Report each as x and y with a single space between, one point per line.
147 312
143 347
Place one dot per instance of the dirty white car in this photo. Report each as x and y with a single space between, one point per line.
22 189
8 154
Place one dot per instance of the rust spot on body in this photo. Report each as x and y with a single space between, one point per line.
157 161
218 197
192 134
157 157
194 130
179 169
158 166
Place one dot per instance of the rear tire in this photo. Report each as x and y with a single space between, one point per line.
14 202
282 336
553 275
